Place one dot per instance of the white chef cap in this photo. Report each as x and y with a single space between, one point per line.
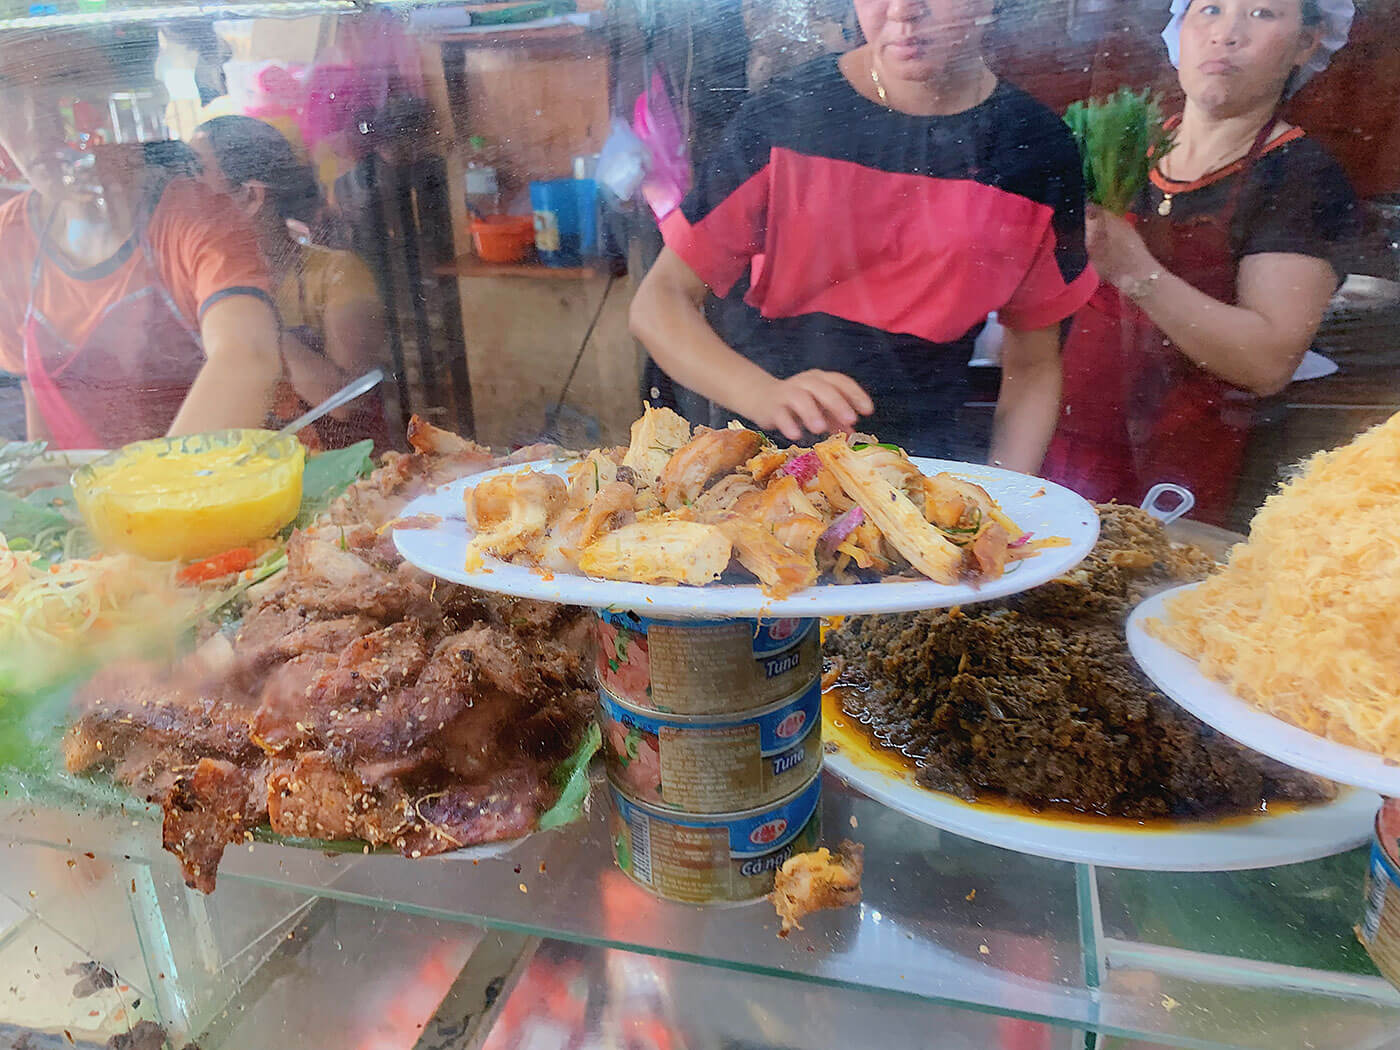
1336 24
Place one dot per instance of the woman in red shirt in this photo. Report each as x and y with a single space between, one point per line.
859 221
132 303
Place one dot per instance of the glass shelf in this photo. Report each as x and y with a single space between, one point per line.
1261 959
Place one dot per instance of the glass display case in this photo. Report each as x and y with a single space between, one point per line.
289 757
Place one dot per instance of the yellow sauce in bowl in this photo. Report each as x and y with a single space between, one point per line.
175 499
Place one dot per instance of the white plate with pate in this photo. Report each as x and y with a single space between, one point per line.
1179 676
437 543
1285 833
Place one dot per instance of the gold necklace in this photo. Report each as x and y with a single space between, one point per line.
879 87
884 98
1165 208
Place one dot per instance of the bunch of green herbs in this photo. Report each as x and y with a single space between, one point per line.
1120 138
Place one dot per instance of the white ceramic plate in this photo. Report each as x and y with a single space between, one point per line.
52 467
1289 836
1314 366
1177 675
1040 507
481 851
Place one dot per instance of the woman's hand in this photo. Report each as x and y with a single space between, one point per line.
811 402
1116 250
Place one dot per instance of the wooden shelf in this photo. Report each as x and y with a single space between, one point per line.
506 37
471 266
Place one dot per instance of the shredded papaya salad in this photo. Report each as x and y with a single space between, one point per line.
114 601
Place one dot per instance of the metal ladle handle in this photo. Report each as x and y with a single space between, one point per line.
343 396
1166 515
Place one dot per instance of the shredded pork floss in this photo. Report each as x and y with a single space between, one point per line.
1302 621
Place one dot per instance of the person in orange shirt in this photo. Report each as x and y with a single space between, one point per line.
133 301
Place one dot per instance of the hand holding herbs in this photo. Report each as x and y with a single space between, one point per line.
1120 138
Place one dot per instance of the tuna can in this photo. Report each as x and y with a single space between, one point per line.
1380 928
716 858
702 667
718 764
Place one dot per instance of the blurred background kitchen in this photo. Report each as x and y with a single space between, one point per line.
498 169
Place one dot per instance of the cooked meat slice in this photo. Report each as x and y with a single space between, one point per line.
150 768
611 508
313 797
259 641
477 681
125 703
775 533
550 730
503 807
765 463
655 437
336 581
780 569
989 551
715 502
366 673
430 440
379 497
272 635
205 810
284 718
659 550
705 458
511 512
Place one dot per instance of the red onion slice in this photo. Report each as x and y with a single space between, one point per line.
803 468
838 530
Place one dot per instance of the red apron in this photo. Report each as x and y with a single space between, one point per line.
1135 410
125 381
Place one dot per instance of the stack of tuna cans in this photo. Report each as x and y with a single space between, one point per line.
712 738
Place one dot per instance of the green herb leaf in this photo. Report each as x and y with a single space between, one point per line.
328 474
571 777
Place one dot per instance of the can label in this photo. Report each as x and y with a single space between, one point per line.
1380 924
719 764
728 857
705 666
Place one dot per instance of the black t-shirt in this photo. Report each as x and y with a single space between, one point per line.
1295 199
843 235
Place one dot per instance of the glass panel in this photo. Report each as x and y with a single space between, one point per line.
1012 947
528 217
580 996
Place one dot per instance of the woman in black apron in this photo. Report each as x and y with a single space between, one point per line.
1216 284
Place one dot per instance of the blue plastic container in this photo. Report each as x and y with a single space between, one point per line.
566 220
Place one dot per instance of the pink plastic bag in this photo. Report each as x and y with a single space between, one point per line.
656 123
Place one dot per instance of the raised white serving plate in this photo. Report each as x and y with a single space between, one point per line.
1040 507
1178 675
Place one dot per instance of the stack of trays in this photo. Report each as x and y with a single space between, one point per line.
712 738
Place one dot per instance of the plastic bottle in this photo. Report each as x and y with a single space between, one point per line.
481 179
